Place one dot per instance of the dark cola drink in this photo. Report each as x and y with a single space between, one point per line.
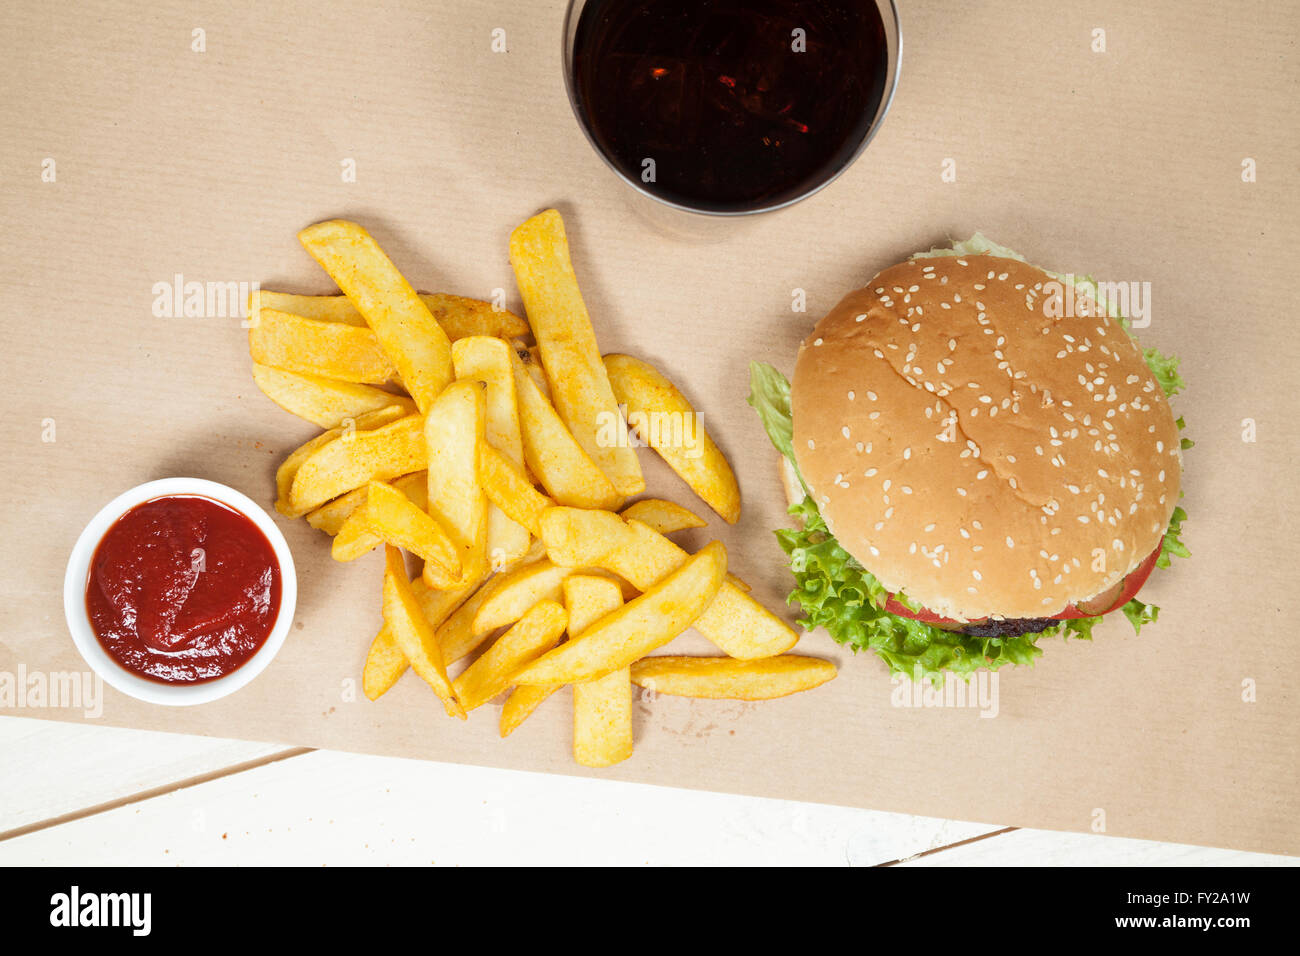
724 105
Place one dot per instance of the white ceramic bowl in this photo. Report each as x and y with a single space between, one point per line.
141 688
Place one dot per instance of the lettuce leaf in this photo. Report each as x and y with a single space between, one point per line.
769 395
836 592
1165 369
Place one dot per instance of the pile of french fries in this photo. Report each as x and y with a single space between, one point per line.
491 459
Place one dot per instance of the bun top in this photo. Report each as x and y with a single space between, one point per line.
978 450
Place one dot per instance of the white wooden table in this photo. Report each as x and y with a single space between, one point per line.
79 795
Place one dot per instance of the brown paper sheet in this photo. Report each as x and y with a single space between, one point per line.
1125 164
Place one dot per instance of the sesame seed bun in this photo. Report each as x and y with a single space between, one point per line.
975 451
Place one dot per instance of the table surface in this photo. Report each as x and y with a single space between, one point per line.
74 794
1108 161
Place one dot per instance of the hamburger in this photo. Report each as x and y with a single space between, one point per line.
980 455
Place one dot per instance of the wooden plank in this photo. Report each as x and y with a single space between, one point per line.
56 769
1053 848
333 808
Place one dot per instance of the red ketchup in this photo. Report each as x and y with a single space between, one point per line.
183 589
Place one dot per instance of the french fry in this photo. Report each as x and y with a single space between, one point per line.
728 678
358 536
519 706
566 471
389 516
580 537
485 359
517 591
326 308
523 701
284 475
459 317
509 489
664 516
531 356
667 517
341 465
668 423
330 516
580 388
588 598
402 322
413 633
453 431
355 539
740 626
602 708
457 636
638 627
534 634
322 401
336 350
735 622
385 664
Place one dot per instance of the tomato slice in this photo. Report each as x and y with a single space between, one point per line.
1124 592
